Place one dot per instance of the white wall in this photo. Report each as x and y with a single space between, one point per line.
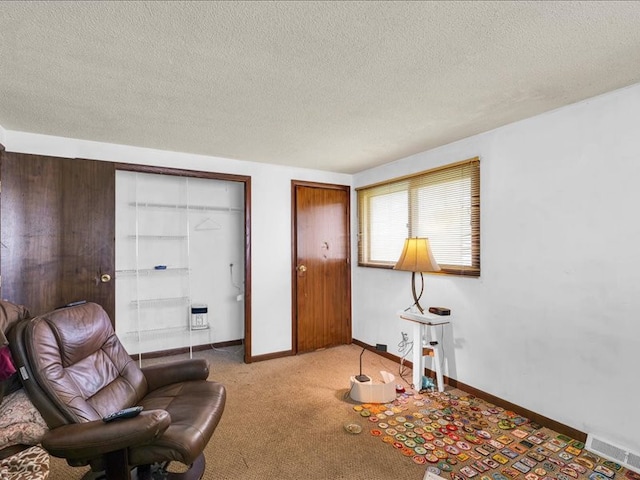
552 324
270 218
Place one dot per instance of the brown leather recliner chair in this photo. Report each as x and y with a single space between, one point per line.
76 372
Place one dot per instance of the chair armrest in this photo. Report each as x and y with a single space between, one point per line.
181 371
82 441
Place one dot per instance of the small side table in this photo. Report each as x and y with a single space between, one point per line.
424 332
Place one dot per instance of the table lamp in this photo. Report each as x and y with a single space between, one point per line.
417 257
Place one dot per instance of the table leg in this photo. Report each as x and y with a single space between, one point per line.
436 366
418 359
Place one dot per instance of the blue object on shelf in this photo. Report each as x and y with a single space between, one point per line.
160 267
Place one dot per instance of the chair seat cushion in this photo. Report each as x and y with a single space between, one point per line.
195 408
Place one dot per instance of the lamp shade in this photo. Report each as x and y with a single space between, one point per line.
417 257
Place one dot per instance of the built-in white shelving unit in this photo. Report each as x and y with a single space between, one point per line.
175 251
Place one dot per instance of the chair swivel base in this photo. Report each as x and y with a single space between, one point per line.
153 472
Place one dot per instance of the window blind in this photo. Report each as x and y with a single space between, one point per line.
442 204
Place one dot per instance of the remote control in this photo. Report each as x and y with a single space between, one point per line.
75 304
124 413
72 304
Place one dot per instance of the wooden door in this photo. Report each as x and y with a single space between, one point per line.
322 275
58 231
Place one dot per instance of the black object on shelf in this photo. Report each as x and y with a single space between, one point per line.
439 311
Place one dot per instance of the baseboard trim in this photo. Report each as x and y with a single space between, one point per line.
452 382
272 356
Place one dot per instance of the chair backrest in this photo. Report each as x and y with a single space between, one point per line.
77 370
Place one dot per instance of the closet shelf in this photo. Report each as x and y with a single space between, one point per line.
151 271
185 206
159 237
155 302
152 332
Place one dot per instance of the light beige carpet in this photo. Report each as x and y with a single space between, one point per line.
285 418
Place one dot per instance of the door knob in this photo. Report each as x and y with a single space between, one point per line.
302 268
105 278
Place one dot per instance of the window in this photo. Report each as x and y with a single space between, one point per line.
442 204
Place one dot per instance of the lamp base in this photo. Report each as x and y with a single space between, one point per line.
362 378
416 297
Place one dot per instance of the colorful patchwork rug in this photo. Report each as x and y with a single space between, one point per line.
461 437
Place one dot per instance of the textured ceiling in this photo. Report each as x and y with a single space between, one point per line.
339 86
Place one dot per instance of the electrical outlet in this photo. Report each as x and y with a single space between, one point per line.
239 298
381 347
